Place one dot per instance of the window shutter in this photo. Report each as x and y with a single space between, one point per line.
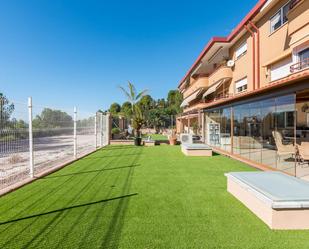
242 49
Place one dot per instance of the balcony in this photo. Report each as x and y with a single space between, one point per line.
194 107
299 66
220 97
220 73
200 82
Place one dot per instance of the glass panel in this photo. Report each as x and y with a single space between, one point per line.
212 127
304 59
264 131
236 131
284 134
255 131
222 132
227 135
218 128
268 143
302 133
285 11
275 21
304 55
245 139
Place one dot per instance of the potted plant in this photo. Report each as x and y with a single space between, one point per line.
173 138
115 132
137 123
137 114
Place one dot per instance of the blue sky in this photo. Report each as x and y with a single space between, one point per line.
65 53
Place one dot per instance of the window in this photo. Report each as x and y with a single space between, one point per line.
304 58
279 18
285 119
241 50
304 55
301 60
280 69
241 85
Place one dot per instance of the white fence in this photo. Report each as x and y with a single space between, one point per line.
36 139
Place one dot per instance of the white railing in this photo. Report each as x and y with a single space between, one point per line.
35 139
299 65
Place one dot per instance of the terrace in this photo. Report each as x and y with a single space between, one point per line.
137 197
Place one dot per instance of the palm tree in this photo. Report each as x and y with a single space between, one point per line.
133 97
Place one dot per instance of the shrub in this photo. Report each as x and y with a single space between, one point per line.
115 131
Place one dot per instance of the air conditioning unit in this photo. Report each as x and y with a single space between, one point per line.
230 63
186 138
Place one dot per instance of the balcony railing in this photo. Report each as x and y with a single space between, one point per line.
220 97
299 65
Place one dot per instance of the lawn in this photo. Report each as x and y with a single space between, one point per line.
157 137
137 197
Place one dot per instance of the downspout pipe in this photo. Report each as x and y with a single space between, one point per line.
258 52
253 55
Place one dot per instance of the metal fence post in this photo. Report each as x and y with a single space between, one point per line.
101 129
95 131
31 158
107 128
75 133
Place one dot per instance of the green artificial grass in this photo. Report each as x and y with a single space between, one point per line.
157 137
137 197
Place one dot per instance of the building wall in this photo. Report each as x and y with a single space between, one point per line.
276 49
243 65
276 46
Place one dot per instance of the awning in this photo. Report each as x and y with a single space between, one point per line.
184 104
213 88
192 97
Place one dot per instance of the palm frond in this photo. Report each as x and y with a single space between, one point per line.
141 94
132 91
128 95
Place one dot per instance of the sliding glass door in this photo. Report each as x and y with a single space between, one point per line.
263 131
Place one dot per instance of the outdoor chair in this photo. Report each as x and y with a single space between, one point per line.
283 149
303 153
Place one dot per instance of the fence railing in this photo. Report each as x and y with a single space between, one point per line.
36 139
299 65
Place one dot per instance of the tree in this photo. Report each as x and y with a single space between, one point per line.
138 120
6 110
52 119
146 102
114 108
158 118
161 103
174 100
20 124
126 109
133 97
85 123
131 94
